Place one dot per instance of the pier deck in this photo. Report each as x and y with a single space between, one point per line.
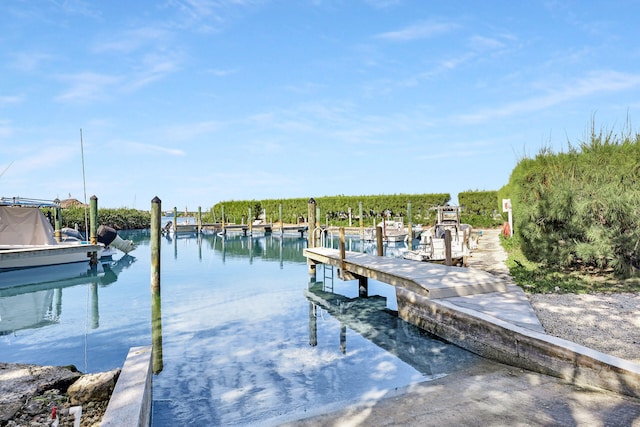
427 279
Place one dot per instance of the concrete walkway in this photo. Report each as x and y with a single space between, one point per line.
491 394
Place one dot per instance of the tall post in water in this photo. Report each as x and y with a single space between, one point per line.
222 221
311 222
156 311
57 219
317 222
93 228
409 226
199 219
93 220
342 250
250 221
175 220
361 227
280 219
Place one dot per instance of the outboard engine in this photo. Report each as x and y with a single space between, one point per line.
108 236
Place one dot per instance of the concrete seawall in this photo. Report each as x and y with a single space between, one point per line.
130 403
518 346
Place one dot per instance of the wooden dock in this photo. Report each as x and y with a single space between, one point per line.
427 279
261 228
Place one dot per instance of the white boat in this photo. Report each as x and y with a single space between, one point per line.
27 240
183 225
432 246
392 231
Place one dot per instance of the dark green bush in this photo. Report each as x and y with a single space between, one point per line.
581 208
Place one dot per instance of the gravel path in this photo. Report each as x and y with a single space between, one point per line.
609 323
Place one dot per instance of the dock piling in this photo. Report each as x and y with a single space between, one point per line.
93 228
447 247
379 245
311 235
156 312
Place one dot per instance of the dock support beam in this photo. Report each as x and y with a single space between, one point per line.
361 227
311 235
199 219
57 221
175 220
379 245
409 227
447 247
93 228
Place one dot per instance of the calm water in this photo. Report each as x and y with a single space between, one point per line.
247 336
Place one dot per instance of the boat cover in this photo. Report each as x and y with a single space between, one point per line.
24 226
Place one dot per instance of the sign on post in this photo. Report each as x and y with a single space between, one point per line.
506 207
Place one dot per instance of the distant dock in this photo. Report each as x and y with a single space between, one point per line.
246 229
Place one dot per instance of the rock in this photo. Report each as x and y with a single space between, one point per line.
18 382
93 387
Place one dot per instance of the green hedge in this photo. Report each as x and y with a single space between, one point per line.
120 219
481 209
334 209
581 208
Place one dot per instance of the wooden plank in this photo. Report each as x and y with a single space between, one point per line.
428 279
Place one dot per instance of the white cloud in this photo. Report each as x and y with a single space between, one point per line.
10 100
6 130
150 148
424 30
29 61
222 72
153 67
593 83
87 86
132 40
191 131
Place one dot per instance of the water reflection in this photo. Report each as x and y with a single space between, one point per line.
240 335
32 298
371 318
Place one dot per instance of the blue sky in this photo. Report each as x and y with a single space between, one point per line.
200 101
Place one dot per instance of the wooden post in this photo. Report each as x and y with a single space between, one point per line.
363 286
361 227
317 223
447 247
93 220
342 250
311 224
57 220
93 228
199 219
350 217
409 226
250 221
222 221
379 245
156 214
175 220
156 311
280 219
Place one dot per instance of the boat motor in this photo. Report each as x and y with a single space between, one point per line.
108 236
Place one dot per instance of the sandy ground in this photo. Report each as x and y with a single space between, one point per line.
609 323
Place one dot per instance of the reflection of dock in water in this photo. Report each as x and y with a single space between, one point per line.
370 317
34 305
